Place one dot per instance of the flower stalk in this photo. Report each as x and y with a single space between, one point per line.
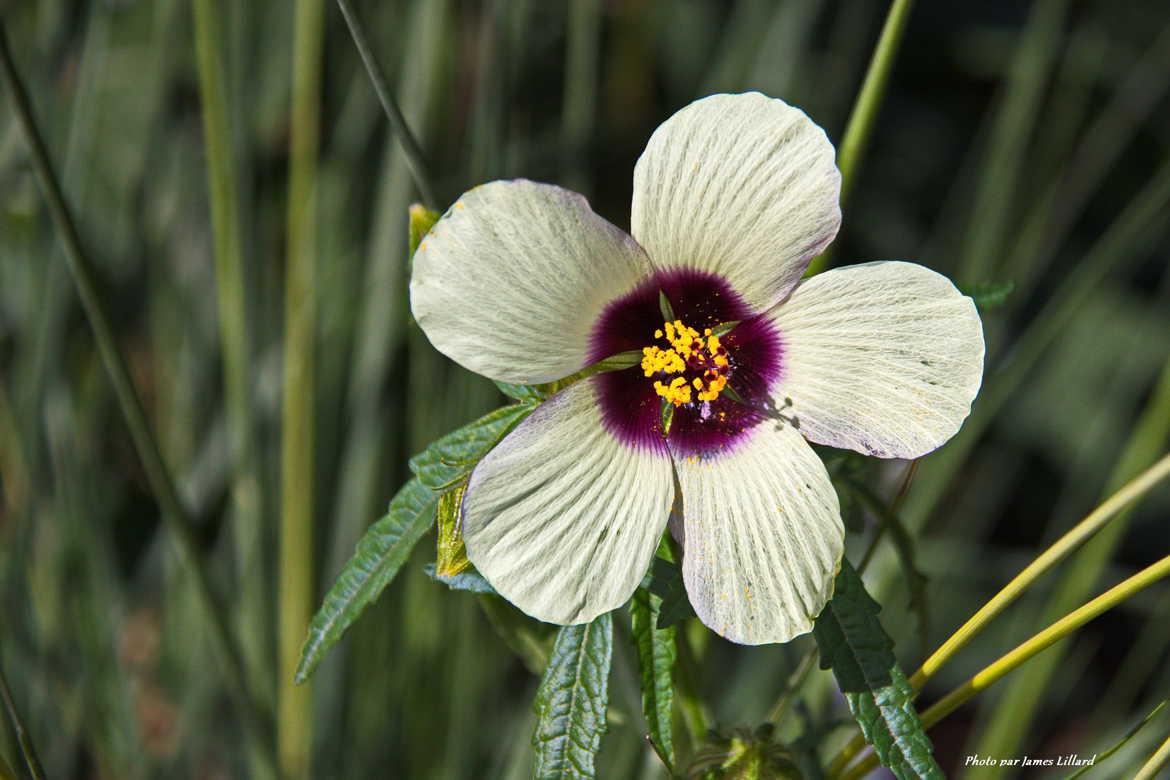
865 109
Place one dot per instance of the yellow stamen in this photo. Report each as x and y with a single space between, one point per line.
688 350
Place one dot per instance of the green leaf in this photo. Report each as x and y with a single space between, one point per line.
988 295
422 220
666 581
525 394
572 699
450 553
452 457
856 647
470 581
656 654
379 556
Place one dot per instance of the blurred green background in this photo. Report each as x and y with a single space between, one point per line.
1018 141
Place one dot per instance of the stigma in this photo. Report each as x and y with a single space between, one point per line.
689 368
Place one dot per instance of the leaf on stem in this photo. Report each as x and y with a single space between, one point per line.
656 655
525 394
572 699
379 556
856 647
452 457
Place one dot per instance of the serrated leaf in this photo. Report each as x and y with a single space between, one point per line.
572 699
988 295
450 552
656 655
526 394
422 220
452 457
379 556
470 580
856 647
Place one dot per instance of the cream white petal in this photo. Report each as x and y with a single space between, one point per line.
882 358
744 186
764 536
561 517
511 280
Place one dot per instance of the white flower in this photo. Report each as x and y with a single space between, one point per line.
522 282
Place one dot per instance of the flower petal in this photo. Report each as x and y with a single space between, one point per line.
563 519
511 280
763 534
744 186
882 358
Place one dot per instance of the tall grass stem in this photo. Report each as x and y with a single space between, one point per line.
865 109
297 492
415 160
27 748
162 484
1024 652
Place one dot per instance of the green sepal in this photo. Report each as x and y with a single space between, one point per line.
469 580
656 652
450 553
422 220
572 699
451 458
744 754
859 651
379 556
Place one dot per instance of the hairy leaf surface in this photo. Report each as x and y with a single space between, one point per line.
856 647
572 700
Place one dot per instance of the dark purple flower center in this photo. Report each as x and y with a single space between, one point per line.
632 406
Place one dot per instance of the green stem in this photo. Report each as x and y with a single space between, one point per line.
235 342
1029 649
1061 549
865 109
795 682
27 749
162 485
294 718
410 146
1156 763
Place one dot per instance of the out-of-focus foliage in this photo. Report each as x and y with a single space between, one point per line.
1019 141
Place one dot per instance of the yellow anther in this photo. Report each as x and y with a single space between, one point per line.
688 351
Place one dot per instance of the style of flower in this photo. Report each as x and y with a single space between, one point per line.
742 364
